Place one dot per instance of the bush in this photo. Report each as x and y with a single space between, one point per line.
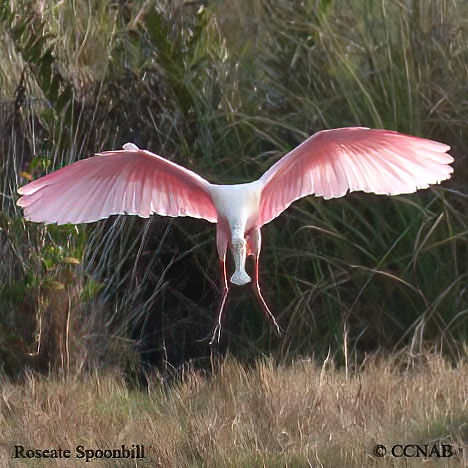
226 92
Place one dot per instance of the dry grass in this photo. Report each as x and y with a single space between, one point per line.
269 415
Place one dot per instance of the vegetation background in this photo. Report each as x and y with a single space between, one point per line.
226 88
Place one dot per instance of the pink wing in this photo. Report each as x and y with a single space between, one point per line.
130 181
333 162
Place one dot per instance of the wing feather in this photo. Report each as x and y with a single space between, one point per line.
334 162
129 181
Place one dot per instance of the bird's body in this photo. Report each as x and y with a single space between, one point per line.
328 164
237 207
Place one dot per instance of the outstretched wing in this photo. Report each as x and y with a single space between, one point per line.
333 162
128 181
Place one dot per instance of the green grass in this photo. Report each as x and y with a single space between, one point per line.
226 89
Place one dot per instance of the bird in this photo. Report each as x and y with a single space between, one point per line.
329 164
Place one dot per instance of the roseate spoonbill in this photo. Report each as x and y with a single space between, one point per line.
328 164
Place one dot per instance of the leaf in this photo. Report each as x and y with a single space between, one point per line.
52 284
71 260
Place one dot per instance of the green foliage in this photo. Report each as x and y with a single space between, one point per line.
226 88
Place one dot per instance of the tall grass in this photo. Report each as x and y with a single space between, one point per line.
292 415
226 89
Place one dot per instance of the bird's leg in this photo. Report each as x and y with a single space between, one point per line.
225 288
263 304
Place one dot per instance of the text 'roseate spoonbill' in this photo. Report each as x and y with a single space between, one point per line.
328 164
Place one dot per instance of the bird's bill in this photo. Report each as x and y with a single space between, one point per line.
239 252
